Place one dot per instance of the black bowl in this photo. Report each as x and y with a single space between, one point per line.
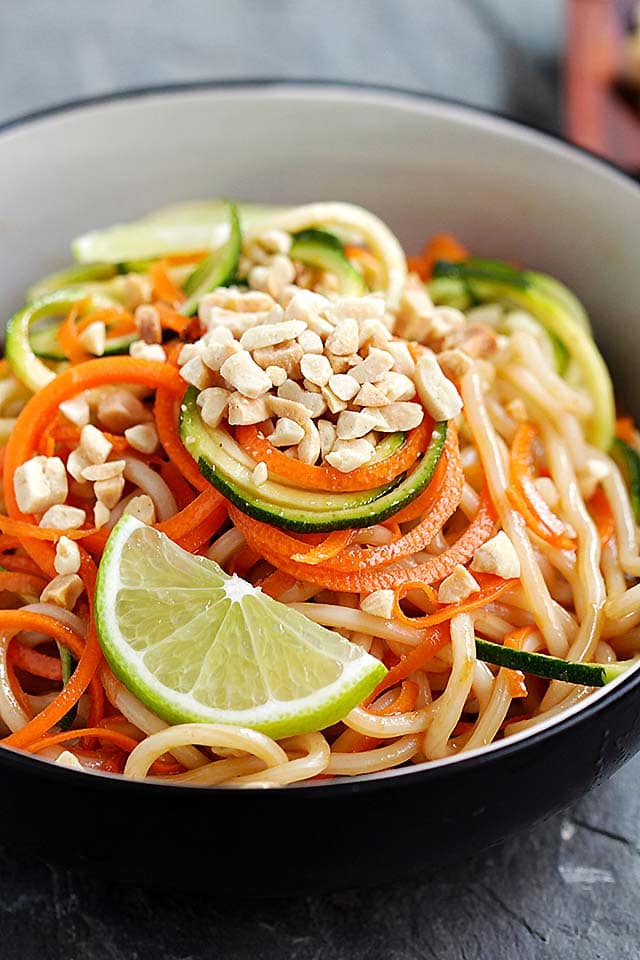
424 165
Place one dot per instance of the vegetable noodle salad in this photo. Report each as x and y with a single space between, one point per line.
281 504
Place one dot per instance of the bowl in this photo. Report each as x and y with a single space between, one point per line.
424 166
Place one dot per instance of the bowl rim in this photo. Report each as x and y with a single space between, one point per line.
429 770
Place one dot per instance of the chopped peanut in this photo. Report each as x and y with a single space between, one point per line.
195 373
310 342
142 508
76 410
313 402
271 334
327 434
457 586
348 455
371 395
244 375
287 356
277 375
40 483
497 556
352 425
403 362
94 337
309 447
120 409
397 386
246 410
143 437
287 433
103 471
62 517
397 416
148 324
317 369
217 351
373 367
94 445
213 403
380 603
147 351
343 339
333 401
67 558
438 394
260 473
109 491
344 386
101 514
63 590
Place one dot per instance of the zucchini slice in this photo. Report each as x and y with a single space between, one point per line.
44 342
182 228
324 251
217 269
490 280
24 362
229 470
77 273
552 668
629 462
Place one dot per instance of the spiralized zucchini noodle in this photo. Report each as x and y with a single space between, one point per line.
420 454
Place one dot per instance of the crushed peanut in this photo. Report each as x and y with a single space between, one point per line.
67 558
62 517
380 603
142 508
457 586
497 556
64 591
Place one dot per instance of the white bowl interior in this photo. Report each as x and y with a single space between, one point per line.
421 165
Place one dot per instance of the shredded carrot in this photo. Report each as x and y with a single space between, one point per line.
437 638
276 583
492 588
603 517
178 259
328 548
170 319
442 246
626 430
84 672
163 286
179 487
32 661
403 703
101 733
327 478
537 514
515 678
68 334
23 583
166 417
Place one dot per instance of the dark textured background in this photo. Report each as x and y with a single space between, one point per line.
566 889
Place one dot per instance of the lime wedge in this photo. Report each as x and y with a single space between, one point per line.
195 644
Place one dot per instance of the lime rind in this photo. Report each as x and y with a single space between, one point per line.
245 656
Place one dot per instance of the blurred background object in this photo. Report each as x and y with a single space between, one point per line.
603 78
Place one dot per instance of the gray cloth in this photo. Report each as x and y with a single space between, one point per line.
493 53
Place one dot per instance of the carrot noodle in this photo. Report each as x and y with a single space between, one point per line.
516 459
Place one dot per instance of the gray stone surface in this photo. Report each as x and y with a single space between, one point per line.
568 887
